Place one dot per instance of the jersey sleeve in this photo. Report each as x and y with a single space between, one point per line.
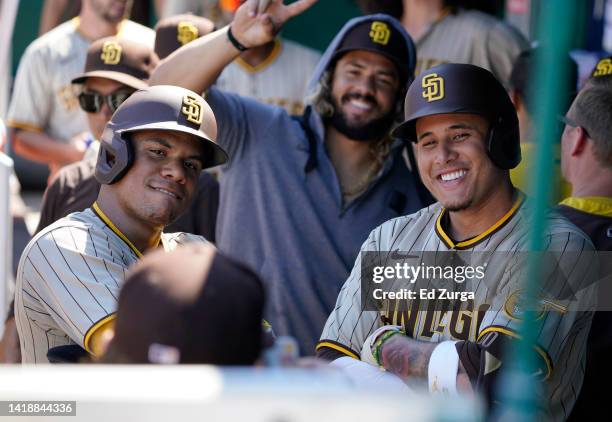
563 313
71 274
348 325
31 100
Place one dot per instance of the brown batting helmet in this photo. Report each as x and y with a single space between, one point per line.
161 107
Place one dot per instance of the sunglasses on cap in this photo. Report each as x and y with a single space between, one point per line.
92 102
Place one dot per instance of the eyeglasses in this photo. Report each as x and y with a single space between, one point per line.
91 102
571 122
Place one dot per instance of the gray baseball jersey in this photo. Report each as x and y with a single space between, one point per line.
491 315
281 79
43 98
473 37
69 278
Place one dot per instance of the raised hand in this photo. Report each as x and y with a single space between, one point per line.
257 22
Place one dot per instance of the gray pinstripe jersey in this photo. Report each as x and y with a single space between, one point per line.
562 338
471 36
280 80
43 97
69 279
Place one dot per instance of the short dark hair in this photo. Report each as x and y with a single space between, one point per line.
591 109
521 79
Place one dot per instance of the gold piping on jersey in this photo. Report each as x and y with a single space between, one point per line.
102 323
267 62
338 347
22 125
477 239
543 354
109 223
598 205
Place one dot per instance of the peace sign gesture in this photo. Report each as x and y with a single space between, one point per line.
257 22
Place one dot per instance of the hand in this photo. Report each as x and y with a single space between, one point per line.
257 22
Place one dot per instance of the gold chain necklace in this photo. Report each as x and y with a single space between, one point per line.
363 183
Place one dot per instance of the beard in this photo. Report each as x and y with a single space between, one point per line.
458 206
372 130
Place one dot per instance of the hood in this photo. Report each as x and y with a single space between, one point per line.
331 49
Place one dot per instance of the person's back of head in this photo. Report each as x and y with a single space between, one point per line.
191 305
591 110
522 80
586 142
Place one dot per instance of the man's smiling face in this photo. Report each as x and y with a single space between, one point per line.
159 186
453 160
364 91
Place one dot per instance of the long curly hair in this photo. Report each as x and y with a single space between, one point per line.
321 101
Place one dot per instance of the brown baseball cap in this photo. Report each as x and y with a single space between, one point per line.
176 31
191 305
121 60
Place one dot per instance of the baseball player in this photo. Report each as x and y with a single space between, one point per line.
102 87
587 165
445 32
69 276
44 112
466 137
301 194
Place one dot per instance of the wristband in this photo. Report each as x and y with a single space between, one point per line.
377 346
442 368
367 349
234 41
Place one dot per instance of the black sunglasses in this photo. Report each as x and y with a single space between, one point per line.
572 123
91 102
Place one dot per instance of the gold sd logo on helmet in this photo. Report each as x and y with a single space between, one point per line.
186 32
192 109
433 87
111 52
380 33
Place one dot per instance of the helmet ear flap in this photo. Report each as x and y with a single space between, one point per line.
115 157
503 145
